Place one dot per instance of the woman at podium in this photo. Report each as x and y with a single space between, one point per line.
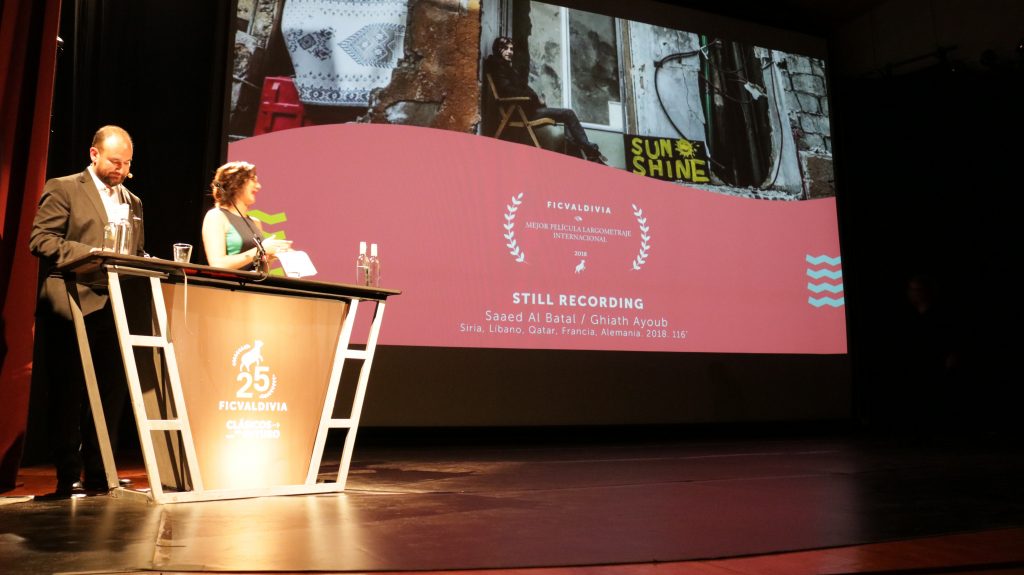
231 237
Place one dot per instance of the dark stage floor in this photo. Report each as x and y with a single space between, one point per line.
544 505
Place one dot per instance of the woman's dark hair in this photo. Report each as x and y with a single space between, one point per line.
229 181
499 44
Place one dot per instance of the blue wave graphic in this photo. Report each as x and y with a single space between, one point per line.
818 274
834 302
818 260
831 288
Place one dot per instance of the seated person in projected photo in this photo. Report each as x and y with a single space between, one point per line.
231 237
510 83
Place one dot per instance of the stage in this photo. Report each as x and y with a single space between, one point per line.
569 503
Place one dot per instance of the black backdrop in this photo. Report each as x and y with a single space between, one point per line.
158 69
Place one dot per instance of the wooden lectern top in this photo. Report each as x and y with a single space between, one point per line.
171 271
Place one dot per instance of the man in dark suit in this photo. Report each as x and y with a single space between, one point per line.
73 213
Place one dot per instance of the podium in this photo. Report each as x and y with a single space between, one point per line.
233 376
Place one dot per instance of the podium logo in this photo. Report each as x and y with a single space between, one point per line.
256 378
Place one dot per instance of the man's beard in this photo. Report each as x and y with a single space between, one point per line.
111 180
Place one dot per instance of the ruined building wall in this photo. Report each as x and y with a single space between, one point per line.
677 81
436 83
806 95
260 18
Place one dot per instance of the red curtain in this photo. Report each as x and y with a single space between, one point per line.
28 52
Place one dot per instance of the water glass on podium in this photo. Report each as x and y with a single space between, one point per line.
182 253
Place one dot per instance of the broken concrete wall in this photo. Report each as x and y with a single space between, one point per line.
786 174
436 83
545 48
805 95
677 81
807 98
260 18
666 101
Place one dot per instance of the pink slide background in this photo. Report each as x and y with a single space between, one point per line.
718 273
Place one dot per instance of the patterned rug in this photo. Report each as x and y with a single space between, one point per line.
343 49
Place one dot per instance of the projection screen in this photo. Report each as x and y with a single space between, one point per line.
707 236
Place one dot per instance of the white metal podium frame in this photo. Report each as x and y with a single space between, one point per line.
157 271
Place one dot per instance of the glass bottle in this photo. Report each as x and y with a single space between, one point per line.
362 266
374 267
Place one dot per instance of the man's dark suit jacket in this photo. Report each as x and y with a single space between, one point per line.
68 225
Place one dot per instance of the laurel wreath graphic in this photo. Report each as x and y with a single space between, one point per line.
645 238
238 352
273 386
510 233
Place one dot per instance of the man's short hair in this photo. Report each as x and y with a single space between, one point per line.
110 130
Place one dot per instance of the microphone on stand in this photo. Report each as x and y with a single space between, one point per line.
261 253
